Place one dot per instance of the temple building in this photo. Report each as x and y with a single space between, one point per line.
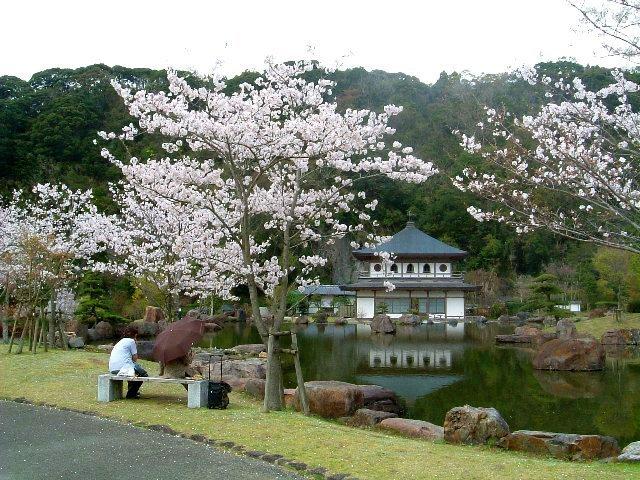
423 275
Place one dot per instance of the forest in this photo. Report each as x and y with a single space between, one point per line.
48 126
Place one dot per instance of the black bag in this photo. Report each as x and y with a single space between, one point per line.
217 392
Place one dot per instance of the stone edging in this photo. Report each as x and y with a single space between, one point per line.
228 446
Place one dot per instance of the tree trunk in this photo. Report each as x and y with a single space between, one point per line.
52 316
36 335
273 392
27 324
13 332
5 313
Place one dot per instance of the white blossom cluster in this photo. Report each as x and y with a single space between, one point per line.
579 173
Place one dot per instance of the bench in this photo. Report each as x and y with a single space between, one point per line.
110 388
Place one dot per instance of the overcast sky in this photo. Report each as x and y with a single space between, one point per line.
420 38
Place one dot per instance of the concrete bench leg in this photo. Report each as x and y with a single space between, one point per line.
198 394
108 389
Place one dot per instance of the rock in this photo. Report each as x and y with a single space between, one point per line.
524 316
565 329
302 320
365 417
566 446
92 335
414 428
527 330
75 326
145 349
332 399
153 314
237 384
507 319
474 425
290 397
382 324
76 342
541 339
212 327
247 368
104 330
582 353
145 329
255 387
375 397
621 337
535 320
340 321
105 348
630 453
408 319
250 348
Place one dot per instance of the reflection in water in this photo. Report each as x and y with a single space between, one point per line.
439 366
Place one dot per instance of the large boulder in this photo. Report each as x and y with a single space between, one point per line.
567 446
375 397
365 417
340 321
332 399
382 324
508 319
255 387
75 326
414 428
250 349
153 314
103 330
145 329
565 329
247 368
75 342
474 425
621 337
526 334
630 453
301 320
582 353
409 319
145 349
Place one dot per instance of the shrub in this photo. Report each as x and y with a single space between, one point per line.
634 306
497 309
320 317
597 313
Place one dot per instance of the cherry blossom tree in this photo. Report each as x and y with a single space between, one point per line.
40 249
275 167
573 167
160 242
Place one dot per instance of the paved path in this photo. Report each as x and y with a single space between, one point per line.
39 443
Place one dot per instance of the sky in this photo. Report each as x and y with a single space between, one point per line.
419 38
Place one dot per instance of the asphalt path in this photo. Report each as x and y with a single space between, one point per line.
39 443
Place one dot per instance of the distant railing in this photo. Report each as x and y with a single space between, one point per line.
454 275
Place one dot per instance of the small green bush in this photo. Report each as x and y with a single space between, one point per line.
497 309
320 317
634 306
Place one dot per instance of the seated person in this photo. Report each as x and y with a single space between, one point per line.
125 354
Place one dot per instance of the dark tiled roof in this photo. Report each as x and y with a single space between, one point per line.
411 284
411 241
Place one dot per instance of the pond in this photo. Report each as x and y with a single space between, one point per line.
439 366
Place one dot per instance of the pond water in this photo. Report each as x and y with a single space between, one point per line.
439 366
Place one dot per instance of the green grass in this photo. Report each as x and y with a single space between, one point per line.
69 379
597 326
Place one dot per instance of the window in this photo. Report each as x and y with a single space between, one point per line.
433 306
394 268
394 305
377 267
410 268
443 267
426 268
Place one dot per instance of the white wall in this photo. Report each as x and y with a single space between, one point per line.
365 307
455 306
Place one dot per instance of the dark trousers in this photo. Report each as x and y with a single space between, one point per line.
133 387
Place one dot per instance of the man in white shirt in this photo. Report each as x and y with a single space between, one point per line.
125 354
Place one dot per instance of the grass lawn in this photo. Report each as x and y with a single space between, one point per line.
69 379
597 326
